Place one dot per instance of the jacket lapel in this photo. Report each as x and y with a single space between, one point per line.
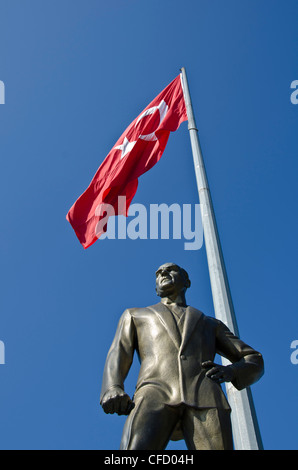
192 316
166 318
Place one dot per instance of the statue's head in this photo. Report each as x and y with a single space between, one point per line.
171 280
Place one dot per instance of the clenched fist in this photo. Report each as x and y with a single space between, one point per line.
117 401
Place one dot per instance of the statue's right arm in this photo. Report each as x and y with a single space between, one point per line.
113 398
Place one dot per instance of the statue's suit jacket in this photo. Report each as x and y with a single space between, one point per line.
172 362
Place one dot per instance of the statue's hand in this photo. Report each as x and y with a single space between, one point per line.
117 401
219 373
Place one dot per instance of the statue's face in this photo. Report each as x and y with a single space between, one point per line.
169 280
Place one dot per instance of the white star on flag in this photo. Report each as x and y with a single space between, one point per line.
126 147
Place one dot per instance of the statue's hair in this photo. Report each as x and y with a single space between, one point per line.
185 273
186 276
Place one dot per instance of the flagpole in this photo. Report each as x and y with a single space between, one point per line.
246 431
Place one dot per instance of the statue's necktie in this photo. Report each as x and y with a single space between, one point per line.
178 313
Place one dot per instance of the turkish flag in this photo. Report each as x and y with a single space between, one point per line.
139 148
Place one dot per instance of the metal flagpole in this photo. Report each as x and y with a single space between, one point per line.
246 432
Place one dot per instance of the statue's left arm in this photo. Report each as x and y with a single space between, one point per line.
247 364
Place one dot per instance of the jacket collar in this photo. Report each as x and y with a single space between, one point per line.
192 316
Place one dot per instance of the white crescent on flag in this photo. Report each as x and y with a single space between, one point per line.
163 109
127 146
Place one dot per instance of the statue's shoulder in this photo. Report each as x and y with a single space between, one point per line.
211 321
138 311
196 311
214 322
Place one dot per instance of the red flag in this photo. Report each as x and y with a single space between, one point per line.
139 148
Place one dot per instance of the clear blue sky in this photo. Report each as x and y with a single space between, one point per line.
76 74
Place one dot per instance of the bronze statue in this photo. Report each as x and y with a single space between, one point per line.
178 393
